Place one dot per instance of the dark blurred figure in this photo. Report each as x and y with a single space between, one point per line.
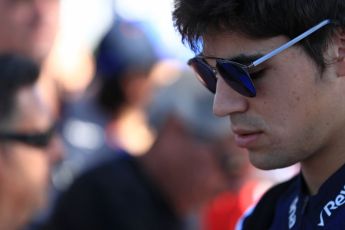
28 27
125 61
119 92
85 122
191 161
28 144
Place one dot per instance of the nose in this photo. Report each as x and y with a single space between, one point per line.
227 101
56 149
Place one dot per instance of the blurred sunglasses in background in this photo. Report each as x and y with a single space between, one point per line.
37 139
235 74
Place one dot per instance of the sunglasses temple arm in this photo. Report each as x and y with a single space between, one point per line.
291 42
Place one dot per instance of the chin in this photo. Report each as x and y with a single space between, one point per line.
263 166
268 162
39 56
39 52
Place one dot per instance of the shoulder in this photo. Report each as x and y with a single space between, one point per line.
87 203
261 216
111 171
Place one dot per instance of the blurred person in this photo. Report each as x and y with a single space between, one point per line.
98 120
224 211
277 69
28 27
34 28
70 66
189 163
28 144
80 31
125 59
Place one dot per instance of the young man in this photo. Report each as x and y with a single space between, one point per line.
28 144
277 69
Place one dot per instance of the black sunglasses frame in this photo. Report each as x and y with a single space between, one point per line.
39 139
236 75
240 81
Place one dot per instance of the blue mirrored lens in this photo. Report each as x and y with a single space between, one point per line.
237 78
204 73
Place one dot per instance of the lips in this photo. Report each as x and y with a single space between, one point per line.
246 138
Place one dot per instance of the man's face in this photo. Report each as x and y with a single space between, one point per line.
296 113
28 27
24 173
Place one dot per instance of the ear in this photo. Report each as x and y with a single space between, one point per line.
174 125
340 52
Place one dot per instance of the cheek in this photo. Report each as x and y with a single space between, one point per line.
297 115
49 23
21 16
292 108
52 13
32 169
289 92
300 122
9 23
26 179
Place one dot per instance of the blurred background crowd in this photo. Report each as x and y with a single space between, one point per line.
109 127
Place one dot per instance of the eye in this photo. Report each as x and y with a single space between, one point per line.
255 75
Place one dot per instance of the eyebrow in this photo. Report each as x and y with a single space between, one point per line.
241 58
246 59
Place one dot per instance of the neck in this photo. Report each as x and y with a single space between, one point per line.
317 169
121 130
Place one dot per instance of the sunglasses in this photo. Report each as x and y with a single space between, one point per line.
39 139
237 75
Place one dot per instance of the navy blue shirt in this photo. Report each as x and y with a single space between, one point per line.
115 195
295 209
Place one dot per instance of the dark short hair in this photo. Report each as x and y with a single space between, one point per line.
125 51
259 19
186 100
15 73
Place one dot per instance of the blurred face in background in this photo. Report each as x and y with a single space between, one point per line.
219 164
227 164
25 168
28 27
232 161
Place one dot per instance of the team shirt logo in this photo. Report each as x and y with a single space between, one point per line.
331 206
292 213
